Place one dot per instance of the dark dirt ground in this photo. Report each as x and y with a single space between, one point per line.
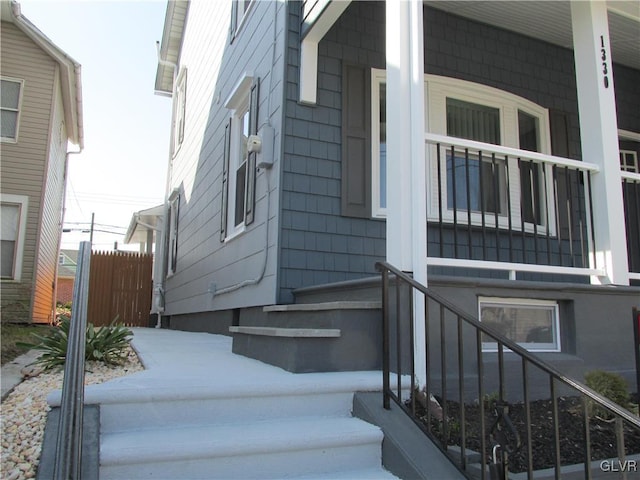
571 432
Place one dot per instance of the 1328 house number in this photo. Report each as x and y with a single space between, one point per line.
605 63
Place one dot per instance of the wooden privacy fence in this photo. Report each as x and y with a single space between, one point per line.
120 285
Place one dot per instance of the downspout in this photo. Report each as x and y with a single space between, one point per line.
63 213
159 287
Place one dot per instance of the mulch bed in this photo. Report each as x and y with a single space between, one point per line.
571 431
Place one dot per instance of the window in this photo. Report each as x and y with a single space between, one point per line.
239 163
533 324
11 95
174 216
238 10
467 175
629 161
379 143
13 221
470 182
180 111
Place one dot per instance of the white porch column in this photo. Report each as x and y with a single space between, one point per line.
599 136
406 181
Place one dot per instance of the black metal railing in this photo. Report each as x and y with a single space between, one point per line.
68 460
466 399
499 204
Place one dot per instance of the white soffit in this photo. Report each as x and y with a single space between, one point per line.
550 21
170 46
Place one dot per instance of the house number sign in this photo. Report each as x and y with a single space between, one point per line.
605 62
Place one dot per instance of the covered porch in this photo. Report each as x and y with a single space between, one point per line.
473 174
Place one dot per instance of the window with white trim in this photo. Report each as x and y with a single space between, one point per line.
11 99
477 112
239 164
629 161
532 324
13 223
180 106
379 143
239 9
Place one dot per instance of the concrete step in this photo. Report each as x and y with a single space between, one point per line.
153 402
365 474
365 289
284 448
313 337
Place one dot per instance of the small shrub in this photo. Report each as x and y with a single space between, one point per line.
610 385
104 344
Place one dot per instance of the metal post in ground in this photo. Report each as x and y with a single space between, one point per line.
69 442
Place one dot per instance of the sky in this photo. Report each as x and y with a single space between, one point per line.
123 166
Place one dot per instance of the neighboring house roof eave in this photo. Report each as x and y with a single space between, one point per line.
141 222
69 71
169 51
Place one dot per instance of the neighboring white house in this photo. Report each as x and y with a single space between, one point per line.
41 116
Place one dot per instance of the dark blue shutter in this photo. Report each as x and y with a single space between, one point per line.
250 199
225 181
356 141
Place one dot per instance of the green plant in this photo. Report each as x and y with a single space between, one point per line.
610 385
105 344
490 400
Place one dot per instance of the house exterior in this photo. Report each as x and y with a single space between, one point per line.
490 148
41 116
67 265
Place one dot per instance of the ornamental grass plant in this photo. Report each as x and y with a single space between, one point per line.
104 344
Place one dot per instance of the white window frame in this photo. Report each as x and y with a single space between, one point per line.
549 305
624 166
238 15
22 201
180 111
173 225
437 89
239 104
18 110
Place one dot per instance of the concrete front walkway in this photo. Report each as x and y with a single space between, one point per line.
200 411
175 360
11 373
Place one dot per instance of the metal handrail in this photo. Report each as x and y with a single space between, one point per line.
589 396
68 460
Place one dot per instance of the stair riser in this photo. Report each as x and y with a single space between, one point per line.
217 411
272 465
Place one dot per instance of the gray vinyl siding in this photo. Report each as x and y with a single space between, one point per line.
214 66
24 163
319 245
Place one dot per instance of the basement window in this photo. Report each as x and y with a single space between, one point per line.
532 324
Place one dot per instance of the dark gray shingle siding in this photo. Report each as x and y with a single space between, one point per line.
317 244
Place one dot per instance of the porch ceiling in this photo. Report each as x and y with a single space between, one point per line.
551 22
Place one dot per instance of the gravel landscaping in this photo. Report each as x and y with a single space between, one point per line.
24 414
